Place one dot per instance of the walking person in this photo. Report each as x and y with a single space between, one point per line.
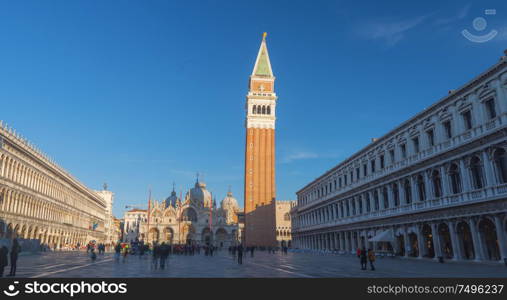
364 260
14 256
125 252
252 249
93 256
164 253
240 254
3 259
156 256
371 258
117 252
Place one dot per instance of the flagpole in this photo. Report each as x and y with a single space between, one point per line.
149 210
179 219
211 212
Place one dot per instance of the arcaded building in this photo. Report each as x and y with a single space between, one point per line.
435 186
40 200
283 222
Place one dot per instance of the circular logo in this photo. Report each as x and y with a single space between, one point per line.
480 23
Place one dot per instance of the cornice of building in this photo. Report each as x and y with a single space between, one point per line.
29 149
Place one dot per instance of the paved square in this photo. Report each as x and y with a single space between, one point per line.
263 264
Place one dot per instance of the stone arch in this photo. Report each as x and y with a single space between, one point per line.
436 179
168 235
154 235
188 233
427 236
413 240
221 236
10 231
189 214
500 164
3 229
489 239
444 236
465 240
476 172
206 236
454 178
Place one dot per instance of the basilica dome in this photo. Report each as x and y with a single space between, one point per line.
230 203
171 200
200 196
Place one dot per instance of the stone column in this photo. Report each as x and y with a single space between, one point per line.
456 247
427 186
415 192
420 243
401 192
478 249
372 201
436 240
445 182
347 244
381 199
406 242
465 176
363 199
488 169
390 195
502 239
342 241
339 209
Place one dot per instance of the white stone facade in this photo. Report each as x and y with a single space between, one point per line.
109 229
40 200
283 221
436 185
194 220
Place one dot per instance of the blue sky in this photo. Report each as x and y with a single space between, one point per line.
144 93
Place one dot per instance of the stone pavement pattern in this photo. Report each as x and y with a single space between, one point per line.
263 264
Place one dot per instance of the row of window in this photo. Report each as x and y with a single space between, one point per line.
422 188
353 175
261 110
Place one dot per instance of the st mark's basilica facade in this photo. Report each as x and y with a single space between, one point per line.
196 219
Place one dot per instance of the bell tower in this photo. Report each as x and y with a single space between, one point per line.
259 185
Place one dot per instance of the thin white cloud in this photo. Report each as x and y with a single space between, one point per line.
299 155
390 32
306 155
460 15
502 34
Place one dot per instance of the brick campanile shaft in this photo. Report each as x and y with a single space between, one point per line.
260 187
